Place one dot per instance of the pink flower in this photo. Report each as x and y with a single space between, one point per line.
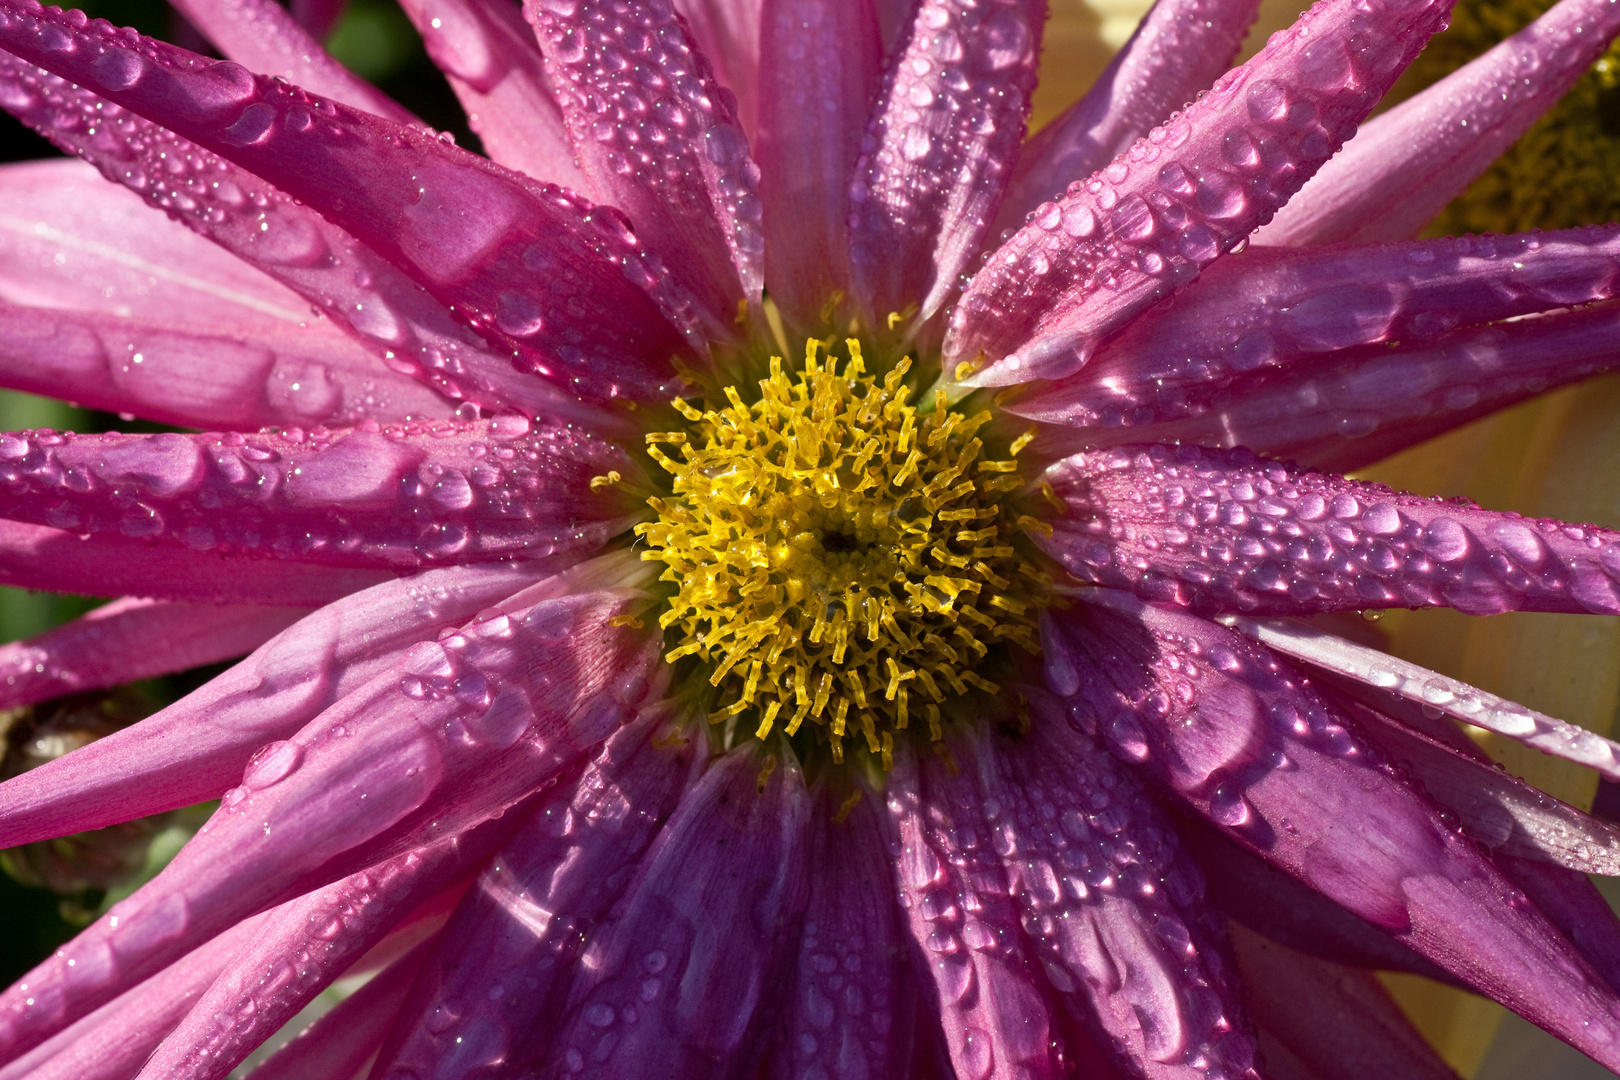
811 730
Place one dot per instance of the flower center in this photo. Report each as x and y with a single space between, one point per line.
841 556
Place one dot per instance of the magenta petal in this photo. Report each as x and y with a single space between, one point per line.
985 985
487 52
1407 164
1248 744
1570 900
133 639
262 36
539 272
1179 198
1206 528
682 171
527 916
849 1009
387 769
1179 49
675 983
728 32
933 164
38 557
811 116
402 496
1115 906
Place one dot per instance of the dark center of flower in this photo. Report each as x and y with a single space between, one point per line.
841 556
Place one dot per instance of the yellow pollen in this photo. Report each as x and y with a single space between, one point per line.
840 557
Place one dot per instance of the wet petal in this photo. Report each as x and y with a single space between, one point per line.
934 160
728 32
1223 531
682 171
676 980
1185 194
1574 905
1410 162
1177 51
132 639
528 914
196 748
402 496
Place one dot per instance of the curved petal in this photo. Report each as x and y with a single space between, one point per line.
1245 742
1575 906
1185 194
1179 49
530 911
263 36
403 496
487 52
675 980
935 158
540 273
386 770
132 639
1221 530
1410 162
681 169
728 32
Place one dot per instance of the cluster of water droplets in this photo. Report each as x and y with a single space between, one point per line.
1222 530
396 494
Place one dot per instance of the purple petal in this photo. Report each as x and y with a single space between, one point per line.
1246 743
467 230
487 52
402 495
130 639
682 171
1277 307
933 164
1179 49
262 36
1338 1023
850 1006
728 33
1185 194
198 747
1574 905
530 910
811 115
986 987
37 557
673 985
1220 530
1115 906
448 739
1410 162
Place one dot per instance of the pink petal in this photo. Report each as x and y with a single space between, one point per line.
1223 531
317 16
38 557
1410 162
1394 677
1179 49
1245 742
850 1006
403 496
728 33
1179 198
262 36
1279 307
985 986
446 740
528 914
811 116
132 639
467 230
198 747
114 1041
676 983
933 164
302 946
487 52
1575 906
1115 907
682 171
